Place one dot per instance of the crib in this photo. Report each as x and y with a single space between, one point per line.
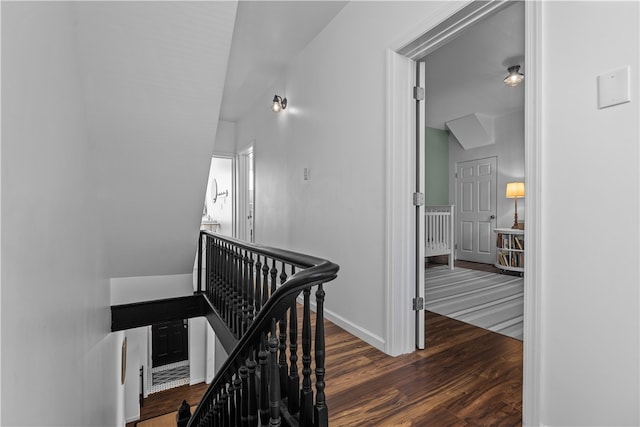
439 232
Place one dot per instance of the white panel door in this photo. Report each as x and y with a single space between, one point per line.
476 193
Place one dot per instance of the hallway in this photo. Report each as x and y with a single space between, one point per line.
465 376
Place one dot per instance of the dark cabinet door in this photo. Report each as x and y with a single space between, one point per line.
169 342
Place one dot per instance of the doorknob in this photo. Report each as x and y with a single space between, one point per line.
492 217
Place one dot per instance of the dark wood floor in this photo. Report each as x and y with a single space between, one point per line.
466 376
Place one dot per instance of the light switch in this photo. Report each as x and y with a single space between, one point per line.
613 88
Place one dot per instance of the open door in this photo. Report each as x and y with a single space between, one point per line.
419 202
246 196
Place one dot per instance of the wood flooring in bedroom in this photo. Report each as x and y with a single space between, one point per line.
466 376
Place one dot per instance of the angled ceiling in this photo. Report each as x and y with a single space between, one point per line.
152 77
267 35
465 75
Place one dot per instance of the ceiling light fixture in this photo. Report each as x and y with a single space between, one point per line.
279 104
515 77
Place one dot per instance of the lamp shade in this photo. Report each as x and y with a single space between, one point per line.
515 190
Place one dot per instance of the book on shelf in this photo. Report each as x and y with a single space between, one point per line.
502 259
518 243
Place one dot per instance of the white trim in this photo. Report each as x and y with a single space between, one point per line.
419 218
451 25
241 189
364 334
396 268
197 380
533 177
399 251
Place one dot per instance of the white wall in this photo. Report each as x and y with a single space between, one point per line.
590 218
126 290
60 364
197 350
225 142
509 151
334 125
137 357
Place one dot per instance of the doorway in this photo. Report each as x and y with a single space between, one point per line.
219 209
170 343
399 154
169 355
246 195
476 210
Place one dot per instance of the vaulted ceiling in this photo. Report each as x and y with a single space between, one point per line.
267 35
152 77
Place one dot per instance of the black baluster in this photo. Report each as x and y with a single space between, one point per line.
258 295
244 420
207 262
232 404
321 414
282 361
237 284
294 378
252 398
237 384
265 281
274 384
264 383
274 276
306 394
245 292
214 413
215 293
224 413
219 282
226 315
250 293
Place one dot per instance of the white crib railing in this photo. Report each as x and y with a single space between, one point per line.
439 232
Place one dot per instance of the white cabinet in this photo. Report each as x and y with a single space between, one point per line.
510 250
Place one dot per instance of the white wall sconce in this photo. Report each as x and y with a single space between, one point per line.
279 103
515 77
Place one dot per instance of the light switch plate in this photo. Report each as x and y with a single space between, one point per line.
613 88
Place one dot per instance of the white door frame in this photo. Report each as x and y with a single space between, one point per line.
243 186
399 266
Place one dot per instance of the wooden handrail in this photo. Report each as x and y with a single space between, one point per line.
241 284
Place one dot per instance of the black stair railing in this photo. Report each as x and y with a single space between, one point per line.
253 291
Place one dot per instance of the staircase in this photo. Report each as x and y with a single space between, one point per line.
251 295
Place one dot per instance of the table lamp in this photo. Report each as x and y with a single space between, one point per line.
515 190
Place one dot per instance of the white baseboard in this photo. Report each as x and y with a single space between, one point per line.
199 380
365 335
132 419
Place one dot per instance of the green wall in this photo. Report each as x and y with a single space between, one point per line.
436 167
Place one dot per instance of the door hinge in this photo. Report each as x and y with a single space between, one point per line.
418 93
418 304
418 199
